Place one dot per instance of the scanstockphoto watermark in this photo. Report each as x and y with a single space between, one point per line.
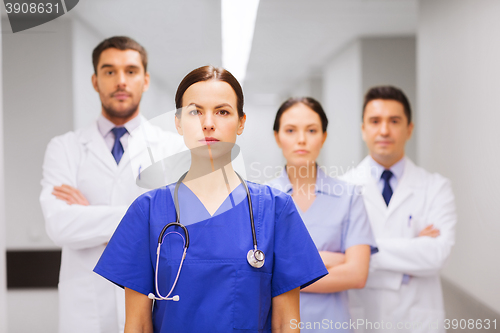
327 324
323 184
261 171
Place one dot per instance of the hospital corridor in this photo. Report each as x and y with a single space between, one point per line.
356 182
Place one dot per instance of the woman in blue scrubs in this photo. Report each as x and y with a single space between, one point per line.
332 210
218 290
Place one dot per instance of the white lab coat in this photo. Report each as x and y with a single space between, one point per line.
428 199
87 302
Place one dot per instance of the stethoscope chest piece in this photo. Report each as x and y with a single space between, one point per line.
256 258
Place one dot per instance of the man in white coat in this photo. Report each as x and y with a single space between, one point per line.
89 180
412 212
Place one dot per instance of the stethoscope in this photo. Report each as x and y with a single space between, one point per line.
255 257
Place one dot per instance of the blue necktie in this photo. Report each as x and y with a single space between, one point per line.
387 191
117 149
387 194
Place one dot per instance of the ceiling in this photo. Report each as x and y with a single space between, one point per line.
292 39
179 35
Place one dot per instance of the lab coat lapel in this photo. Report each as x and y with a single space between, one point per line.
145 149
405 188
125 161
371 193
94 142
143 136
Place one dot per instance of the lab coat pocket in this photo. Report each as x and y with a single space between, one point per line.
252 300
416 223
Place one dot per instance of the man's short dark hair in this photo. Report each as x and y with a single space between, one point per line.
389 93
121 43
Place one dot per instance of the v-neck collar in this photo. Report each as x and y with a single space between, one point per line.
303 213
324 185
193 210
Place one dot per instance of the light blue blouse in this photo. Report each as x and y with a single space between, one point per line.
336 220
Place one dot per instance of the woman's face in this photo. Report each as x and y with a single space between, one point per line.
210 117
300 135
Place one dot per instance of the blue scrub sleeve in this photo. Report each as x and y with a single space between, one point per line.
126 261
358 230
297 262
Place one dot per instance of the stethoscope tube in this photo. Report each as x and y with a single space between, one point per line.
255 257
250 209
160 238
160 241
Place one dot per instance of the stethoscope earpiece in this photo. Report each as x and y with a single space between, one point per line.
174 298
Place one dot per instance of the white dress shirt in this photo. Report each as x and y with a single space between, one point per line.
105 126
397 172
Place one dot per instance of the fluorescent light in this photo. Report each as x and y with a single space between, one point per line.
238 25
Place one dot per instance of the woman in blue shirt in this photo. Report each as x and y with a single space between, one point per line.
332 210
216 287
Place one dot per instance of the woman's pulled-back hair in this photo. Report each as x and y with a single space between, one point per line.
307 101
206 73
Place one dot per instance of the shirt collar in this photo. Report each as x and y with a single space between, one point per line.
397 169
105 125
323 182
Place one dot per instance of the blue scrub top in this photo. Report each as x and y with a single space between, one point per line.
336 220
219 291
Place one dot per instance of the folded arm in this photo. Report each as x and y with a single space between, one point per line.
424 255
350 274
69 221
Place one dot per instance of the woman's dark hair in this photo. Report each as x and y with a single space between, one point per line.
307 101
121 43
206 73
388 93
